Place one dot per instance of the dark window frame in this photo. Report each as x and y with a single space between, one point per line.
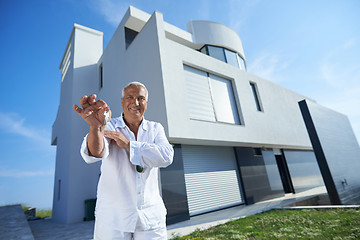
101 76
255 92
130 36
240 65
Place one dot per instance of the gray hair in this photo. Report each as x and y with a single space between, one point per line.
135 84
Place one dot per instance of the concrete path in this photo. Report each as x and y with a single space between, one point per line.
47 229
13 224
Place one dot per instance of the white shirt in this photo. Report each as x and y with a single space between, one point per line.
127 199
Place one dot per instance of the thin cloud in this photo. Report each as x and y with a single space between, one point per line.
268 66
203 10
15 124
349 43
240 12
342 80
336 72
345 101
20 174
339 75
111 10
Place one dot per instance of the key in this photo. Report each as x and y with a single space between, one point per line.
107 117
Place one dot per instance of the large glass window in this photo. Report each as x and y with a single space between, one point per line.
210 97
231 58
224 55
241 62
216 52
204 50
224 100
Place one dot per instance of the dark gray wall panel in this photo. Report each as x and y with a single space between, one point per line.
304 169
337 151
173 189
254 176
272 171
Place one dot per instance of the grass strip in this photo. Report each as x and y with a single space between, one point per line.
42 213
337 223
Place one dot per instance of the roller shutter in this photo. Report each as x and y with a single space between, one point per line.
198 95
211 177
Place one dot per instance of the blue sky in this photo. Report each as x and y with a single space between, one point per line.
310 47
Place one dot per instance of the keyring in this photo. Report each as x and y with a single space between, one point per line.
107 117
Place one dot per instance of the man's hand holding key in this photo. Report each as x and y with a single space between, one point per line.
95 113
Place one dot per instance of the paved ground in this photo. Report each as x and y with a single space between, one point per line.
13 224
49 230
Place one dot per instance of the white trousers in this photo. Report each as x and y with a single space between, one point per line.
104 232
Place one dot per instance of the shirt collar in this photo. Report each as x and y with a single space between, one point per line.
121 123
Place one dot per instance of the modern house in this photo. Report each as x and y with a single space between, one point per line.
238 138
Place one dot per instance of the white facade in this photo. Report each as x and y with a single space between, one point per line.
72 184
158 57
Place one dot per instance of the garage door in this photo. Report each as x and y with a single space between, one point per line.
211 177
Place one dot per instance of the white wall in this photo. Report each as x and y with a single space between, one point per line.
140 62
280 125
78 180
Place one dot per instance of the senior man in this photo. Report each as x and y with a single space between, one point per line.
132 149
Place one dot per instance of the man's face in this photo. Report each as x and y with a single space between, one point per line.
134 103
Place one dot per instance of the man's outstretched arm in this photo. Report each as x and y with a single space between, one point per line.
93 113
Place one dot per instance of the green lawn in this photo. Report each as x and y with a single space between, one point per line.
42 213
288 224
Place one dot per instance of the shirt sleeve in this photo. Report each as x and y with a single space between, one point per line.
85 152
157 154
